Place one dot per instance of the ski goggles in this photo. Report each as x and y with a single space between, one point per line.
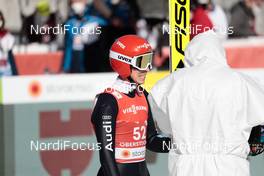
140 62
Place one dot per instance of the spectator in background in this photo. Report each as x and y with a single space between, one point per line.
42 17
120 17
218 18
83 33
258 10
7 62
154 17
200 21
243 19
153 13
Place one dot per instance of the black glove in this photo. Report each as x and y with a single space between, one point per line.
256 145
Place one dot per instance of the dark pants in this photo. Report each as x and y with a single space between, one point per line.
133 169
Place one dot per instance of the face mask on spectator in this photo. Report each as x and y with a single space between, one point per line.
1 24
2 21
78 8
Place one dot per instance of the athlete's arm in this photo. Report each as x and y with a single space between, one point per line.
155 141
104 120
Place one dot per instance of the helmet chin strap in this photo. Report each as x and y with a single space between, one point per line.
131 80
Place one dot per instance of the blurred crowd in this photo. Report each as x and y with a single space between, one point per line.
84 30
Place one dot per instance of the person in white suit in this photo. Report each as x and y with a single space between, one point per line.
209 110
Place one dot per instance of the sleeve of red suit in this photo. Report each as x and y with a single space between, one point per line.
104 120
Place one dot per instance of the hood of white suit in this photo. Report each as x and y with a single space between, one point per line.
205 47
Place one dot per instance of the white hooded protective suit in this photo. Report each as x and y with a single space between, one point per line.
209 109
